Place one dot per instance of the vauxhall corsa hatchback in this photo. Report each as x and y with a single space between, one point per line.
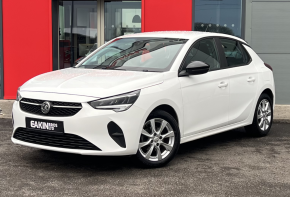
145 94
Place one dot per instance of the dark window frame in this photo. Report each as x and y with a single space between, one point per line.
243 48
218 46
222 57
197 41
55 34
1 54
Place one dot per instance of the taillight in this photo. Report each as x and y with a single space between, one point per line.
269 66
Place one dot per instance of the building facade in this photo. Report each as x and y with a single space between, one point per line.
41 36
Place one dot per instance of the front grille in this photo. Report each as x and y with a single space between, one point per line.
33 106
63 140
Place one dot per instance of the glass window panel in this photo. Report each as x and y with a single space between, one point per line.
77 31
138 54
121 18
204 51
221 16
235 54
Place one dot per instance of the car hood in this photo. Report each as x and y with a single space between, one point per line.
92 82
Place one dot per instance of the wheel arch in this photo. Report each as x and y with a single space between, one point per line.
169 109
269 89
269 92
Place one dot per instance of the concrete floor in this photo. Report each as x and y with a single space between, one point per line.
227 164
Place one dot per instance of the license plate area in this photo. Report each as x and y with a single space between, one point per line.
44 125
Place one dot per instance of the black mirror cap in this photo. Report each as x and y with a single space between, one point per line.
195 68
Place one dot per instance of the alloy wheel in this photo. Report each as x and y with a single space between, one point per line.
157 139
264 114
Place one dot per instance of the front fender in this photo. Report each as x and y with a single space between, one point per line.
167 93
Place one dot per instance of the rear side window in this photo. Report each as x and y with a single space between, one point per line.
205 51
235 54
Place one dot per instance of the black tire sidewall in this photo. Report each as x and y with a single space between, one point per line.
166 116
254 128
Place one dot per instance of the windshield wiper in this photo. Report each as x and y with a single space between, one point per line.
151 71
115 47
105 68
97 66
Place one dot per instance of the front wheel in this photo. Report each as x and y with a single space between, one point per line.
159 140
263 117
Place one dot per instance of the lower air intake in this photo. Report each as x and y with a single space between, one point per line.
63 140
116 134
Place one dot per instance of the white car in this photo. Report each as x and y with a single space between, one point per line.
146 94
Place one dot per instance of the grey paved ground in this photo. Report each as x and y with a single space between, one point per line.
228 164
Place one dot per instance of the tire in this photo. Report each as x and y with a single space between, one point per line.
263 117
157 147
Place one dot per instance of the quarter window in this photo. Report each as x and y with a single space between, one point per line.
235 54
204 51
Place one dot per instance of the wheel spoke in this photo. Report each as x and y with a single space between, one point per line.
268 113
148 154
142 144
267 121
163 125
267 105
152 122
166 146
264 124
144 132
261 123
260 116
159 156
169 134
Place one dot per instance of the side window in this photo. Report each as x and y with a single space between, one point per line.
235 54
205 51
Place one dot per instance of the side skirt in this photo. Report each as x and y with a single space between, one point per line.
213 132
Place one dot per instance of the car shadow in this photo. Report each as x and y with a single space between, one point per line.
227 138
74 162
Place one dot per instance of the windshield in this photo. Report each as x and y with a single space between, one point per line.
136 54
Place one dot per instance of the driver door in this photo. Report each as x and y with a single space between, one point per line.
205 96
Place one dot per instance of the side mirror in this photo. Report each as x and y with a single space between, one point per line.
195 68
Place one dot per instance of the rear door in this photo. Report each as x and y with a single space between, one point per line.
205 96
243 80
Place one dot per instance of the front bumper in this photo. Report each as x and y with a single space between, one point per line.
91 124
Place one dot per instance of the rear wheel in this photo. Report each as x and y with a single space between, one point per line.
159 140
263 117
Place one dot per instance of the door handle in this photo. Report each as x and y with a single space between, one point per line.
223 84
251 79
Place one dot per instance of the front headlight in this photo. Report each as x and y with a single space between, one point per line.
18 97
117 103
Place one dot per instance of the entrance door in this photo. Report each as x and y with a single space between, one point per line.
77 31
86 25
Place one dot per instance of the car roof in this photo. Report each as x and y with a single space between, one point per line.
181 35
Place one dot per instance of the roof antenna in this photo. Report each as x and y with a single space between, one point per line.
208 24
